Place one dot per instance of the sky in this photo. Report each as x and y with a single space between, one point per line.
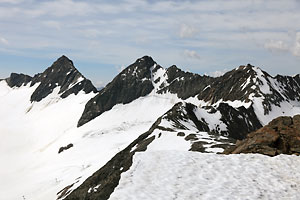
102 37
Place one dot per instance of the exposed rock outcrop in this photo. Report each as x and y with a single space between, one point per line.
61 149
280 136
61 73
132 83
17 80
184 84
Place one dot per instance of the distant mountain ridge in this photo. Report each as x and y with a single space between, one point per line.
245 84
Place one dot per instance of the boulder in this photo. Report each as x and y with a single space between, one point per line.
280 136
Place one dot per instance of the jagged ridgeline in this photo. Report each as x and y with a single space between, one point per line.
245 84
61 73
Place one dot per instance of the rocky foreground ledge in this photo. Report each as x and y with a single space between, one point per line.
280 136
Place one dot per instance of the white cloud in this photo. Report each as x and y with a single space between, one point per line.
296 49
52 24
62 8
227 32
187 31
3 41
191 54
278 45
217 73
99 84
12 1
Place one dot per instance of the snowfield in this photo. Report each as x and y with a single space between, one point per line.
169 175
32 133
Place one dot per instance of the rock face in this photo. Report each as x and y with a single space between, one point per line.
17 80
62 73
242 84
132 83
280 136
183 83
238 121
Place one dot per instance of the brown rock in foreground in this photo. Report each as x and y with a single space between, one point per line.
280 136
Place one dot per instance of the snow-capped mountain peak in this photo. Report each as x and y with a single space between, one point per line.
133 82
63 74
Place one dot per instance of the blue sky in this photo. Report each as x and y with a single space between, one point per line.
102 37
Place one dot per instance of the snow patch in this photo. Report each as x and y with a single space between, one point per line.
189 175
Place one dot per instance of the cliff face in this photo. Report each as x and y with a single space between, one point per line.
63 74
132 83
280 136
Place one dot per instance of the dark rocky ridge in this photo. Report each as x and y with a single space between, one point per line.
297 78
61 73
17 80
184 112
239 121
108 176
290 86
229 87
183 83
280 136
129 85
132 83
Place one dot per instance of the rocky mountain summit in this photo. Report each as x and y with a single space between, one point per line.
132 83
61 73
280 136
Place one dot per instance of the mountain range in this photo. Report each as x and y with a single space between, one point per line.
64 139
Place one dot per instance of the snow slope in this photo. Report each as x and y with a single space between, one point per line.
188 175
32 133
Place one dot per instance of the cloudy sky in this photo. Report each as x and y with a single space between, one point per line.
101 37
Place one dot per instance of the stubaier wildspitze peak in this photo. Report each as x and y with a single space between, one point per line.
63 74
132 83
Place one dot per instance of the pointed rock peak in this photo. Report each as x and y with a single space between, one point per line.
133 82
140 69
250 69
64 75
145 59
173 67
146 62
62 63
245 67
64 58
246 71
17 80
